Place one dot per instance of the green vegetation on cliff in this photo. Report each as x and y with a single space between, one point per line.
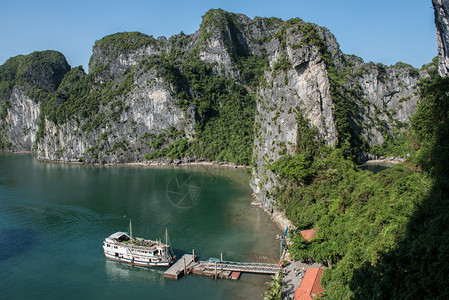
123 42
41 70
37 74
38 71
384 234
224 110
419 259
359 214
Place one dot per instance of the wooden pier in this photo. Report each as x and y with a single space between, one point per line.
217 268
180 267
242 267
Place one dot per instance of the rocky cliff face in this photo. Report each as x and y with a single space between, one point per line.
22 120
441 8
146 98
23 80
380 99
122 129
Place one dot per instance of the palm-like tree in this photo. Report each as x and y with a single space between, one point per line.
273 291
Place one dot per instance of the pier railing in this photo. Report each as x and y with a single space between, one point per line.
262 268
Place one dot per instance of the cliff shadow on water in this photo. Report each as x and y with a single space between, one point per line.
418 264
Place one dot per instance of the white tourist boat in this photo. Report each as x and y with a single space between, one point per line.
137 251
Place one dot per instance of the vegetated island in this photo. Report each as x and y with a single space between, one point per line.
277 96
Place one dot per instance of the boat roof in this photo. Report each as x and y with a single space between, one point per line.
117 235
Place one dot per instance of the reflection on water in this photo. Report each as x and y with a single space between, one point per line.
123 272
54 217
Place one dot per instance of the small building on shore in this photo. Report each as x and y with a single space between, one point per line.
309 234
310 286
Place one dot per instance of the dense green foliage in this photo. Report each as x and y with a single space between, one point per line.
70 98
420 259
283 63
42 70
252 68
359 215
224 110
300 168
430 126
38 71
384 234
418 263
78 97
176 144
397 144
273 290
122 42
38 74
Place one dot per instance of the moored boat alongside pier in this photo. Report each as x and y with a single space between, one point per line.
137 251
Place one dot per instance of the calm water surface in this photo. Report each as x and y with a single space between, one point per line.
54 217
375 167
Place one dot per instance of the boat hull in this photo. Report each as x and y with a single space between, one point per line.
135 262
137 251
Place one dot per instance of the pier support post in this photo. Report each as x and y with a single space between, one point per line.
185 269
215 270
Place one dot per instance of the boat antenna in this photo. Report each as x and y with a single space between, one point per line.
130 229
166 236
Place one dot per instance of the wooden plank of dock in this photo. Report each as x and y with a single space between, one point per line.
242 267
235 275
177 269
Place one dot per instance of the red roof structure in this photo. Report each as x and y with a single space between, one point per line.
310 285
309 234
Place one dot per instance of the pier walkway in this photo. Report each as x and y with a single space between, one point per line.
243 267
217 268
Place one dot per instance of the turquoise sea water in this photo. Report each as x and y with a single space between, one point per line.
54 217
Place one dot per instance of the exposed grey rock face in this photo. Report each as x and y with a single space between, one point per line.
20 77
306 70
115 62
441 8
22 120
224 35
149 108
385 98
302 89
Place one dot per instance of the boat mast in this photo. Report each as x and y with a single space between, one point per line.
130 229
166 237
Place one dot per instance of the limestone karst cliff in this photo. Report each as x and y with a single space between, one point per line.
233 91
441 9
23 80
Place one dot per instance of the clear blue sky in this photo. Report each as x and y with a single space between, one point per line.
385 31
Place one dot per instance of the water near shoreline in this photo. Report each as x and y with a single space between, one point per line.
53 218
375 167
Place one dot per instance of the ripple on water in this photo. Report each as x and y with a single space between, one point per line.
14 242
